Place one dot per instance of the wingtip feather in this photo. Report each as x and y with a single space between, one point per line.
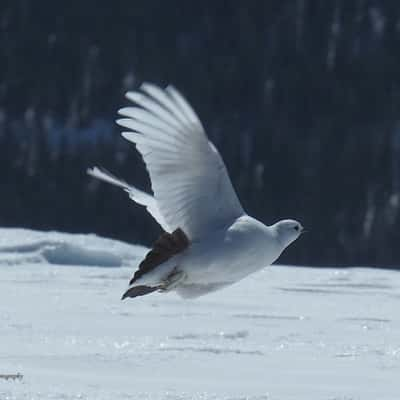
124 111
122 122
136 97
146 85
91 170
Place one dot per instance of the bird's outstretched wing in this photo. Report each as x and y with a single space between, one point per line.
191 186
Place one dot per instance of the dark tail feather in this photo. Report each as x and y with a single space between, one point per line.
136 291
165 247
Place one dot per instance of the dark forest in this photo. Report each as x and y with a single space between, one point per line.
301 97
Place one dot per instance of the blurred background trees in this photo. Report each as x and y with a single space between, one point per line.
302 97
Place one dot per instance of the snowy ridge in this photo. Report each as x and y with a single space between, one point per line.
22 246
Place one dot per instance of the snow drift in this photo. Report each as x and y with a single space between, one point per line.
22 246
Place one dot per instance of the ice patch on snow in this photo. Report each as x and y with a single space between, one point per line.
208 336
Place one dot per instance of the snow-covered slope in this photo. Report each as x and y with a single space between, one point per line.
285 333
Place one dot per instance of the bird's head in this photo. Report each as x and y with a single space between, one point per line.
288 230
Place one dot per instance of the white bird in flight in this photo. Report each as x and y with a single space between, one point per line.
209 241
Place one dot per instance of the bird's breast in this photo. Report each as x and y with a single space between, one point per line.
230 255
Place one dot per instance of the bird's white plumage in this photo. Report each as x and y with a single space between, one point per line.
193 192
188 177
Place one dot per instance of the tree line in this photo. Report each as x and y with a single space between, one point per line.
301 97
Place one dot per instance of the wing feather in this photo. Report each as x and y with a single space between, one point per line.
191 186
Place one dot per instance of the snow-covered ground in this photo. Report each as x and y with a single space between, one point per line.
284 333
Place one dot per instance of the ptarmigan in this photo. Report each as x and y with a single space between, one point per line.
209 240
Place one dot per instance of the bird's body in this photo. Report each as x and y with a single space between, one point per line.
221 259
210 242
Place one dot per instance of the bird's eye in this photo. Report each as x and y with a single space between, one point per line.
296 228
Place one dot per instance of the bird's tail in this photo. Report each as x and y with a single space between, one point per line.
138 196
106 176
140 290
